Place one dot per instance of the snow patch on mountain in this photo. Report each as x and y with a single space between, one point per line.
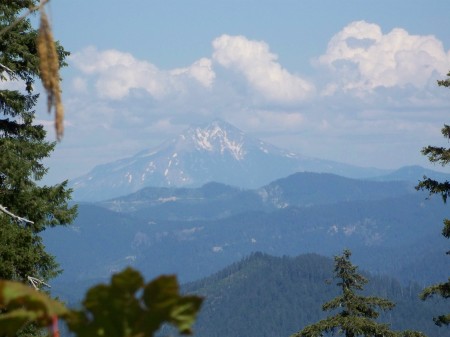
216 152
168 199
217 139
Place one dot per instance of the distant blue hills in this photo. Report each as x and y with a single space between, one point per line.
194 232
216 152
413 173
213 195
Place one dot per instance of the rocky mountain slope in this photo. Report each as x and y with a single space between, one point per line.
214 152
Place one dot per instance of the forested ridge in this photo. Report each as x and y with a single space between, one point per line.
263 295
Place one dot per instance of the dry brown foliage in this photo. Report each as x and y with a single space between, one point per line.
49 71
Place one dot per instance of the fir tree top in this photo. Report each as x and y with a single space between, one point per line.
357 313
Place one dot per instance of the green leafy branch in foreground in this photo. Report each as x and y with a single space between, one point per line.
21 305
125 308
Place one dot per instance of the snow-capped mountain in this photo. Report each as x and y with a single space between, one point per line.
214 152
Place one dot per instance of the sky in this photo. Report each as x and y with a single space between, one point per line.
350 81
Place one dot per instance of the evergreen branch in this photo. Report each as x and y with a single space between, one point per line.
18 218
337 302
6 68
441 289
446 131
435 187
35 282
349 326
436 154
442 320
23 17
444 83
446 229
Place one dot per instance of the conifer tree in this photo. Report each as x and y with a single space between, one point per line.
357 314
439 155
23 146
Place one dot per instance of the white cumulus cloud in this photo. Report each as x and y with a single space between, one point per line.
118 73
200 70
364 58
260 68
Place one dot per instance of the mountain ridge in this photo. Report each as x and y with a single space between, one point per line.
298 189
181 237
265 295
217 151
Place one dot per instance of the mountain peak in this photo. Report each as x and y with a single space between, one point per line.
216 151
218 137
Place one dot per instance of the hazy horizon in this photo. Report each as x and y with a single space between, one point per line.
353 82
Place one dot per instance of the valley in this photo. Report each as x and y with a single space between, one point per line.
225 241
196 232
